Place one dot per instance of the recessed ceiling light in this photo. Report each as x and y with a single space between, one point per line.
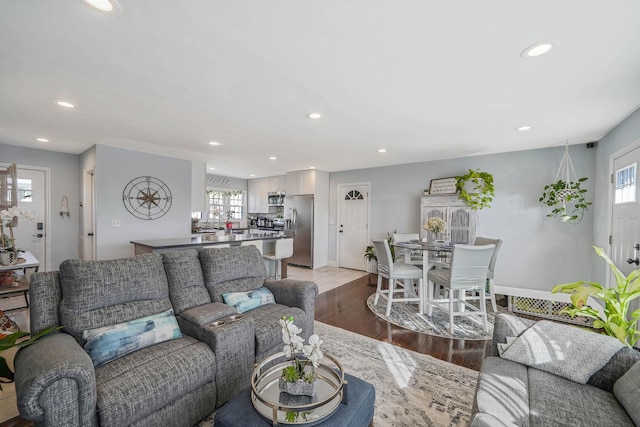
537 49
312 167
273 158
42 140
212 169
382 150
102 5
65 104
215 143
314 115
252 175
523 128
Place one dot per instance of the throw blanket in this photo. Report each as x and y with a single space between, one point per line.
570 352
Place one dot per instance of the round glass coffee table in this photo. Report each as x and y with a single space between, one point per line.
284 409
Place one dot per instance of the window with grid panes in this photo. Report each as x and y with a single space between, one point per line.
221 202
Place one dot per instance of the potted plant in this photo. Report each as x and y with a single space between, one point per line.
372 259
476 188
617 320
298 378
561 193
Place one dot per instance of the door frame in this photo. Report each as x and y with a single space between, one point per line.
47 209
88 211
633 145
339 207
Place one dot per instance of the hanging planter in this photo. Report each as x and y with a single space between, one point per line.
565 195
476 188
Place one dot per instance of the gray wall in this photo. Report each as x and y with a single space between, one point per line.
621 136
115 167
62 233
537 253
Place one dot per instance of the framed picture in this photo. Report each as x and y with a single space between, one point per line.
443 186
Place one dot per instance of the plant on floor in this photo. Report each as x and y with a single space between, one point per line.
10 341
370 253
617 320
476 188
559 194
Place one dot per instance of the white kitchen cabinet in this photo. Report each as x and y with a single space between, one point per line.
301 182
277 184
258 195
462 221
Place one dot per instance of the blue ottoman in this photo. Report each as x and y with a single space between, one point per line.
358 412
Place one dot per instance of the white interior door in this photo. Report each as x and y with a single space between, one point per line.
87 239
32 194
353 225
625 234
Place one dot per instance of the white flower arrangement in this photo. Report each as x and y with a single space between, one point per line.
7 216
435 225
294 345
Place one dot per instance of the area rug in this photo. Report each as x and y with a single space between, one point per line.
405 315
412 389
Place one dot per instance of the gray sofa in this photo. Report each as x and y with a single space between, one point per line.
512 394
174 383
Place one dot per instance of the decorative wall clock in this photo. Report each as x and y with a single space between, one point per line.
147 197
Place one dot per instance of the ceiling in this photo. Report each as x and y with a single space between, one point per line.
423 79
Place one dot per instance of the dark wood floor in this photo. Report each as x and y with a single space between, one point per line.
346 308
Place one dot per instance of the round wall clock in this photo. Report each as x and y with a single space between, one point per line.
147 197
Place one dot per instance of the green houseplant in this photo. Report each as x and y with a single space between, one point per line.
559 194
617 320
476 188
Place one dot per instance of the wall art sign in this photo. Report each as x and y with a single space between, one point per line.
443 186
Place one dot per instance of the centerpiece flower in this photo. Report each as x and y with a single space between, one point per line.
298 377
435 225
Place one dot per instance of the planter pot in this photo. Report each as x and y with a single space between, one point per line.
298 388
5 258
372 266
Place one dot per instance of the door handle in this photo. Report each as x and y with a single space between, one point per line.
633 261
38 235
90 234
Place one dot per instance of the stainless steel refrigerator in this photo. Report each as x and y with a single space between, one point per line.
299 212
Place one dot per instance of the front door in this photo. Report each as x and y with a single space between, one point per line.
32 235
353 227
625 234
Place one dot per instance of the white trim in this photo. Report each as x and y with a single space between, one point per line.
542 295
339 197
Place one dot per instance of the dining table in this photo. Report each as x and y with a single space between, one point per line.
434 255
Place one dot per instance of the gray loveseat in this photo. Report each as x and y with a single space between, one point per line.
512 394
173 383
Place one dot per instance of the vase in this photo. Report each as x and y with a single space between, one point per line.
298 388
5 258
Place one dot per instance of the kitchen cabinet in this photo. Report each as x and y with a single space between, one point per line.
462 221
277 184
258 195
302 182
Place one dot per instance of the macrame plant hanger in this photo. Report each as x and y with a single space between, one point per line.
564 172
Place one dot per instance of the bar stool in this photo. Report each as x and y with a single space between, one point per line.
256 243
283 250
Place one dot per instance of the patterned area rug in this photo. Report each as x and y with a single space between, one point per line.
405 315
412 389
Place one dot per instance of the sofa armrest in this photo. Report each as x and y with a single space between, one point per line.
55 382
507 325
296 293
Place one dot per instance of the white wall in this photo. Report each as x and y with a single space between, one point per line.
537 253
62 233
621 136
115 167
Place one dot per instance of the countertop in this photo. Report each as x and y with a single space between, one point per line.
206 239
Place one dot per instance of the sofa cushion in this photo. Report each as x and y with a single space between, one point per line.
557 401
245 301
503 391
101 293
186 283
562 350
111 342
268 328
134 386
234 269
627 390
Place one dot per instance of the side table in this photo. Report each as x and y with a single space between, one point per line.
23 285
358 412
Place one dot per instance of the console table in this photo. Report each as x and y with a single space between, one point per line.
21 286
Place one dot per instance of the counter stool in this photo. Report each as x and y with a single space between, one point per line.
283 250
256 243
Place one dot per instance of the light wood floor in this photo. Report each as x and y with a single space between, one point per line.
326 278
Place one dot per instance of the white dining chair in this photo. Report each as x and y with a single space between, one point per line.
394 272
407 255
283 250
489 292
468 272
256 243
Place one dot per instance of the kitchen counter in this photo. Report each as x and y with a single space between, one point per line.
199 242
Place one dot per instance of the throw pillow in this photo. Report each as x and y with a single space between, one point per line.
245 301
111 342
566 351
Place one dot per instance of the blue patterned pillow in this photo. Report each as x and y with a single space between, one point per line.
245 301
111 342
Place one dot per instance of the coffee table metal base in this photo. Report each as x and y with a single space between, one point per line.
358 412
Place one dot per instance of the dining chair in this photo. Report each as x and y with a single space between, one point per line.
407 255
468 272
393 272
489 292
283 250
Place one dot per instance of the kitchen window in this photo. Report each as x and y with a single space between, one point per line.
221 202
